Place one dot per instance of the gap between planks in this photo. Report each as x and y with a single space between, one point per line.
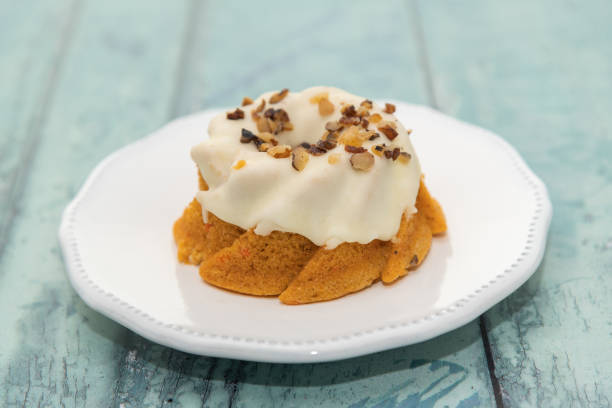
35 126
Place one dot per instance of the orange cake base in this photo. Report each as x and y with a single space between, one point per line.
291 266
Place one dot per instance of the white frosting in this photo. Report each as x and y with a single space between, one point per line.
327 203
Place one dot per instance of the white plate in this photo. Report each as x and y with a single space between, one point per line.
121 258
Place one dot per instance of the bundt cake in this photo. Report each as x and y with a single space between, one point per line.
307 196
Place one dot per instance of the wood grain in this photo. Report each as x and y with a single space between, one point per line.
113 87
538 73
34 39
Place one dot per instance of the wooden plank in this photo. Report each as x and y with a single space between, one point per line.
114 86
247 49
538 73
447 371
34 39
242 48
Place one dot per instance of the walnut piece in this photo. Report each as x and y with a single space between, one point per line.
389 108
388 131
277 97
280 151
404 157
235 115
299 158
375 118
362 161
333 126
246 101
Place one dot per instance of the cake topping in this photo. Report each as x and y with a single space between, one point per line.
387 129
246 101
338 157
354 149
389 108
362 161
280 151
277 97
299 158
235 115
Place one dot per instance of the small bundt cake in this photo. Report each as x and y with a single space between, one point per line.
307 196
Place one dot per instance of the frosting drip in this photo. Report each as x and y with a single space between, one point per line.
329 201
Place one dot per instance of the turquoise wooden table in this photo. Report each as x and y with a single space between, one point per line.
79 79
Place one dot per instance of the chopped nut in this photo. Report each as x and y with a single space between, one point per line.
272 125
247 136
388 154
374 136
362 161
280 115
333 158
352 136
263 147
375 118
287 126
277 97
299 158
235 115
326 144
388 131
332 136
389 108
246 101
365 123
239 164
255 112
349 111
262 125
258 143
366 104
280 152
377 150
269 113
408 131
266 137
316 150
362 112
315 99
325 107
354 149
333 126
395 153
345 120
404 158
